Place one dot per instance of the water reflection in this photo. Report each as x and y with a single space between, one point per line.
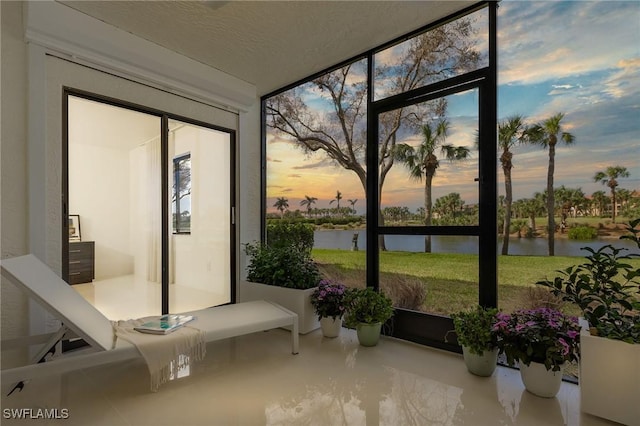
520 404
340 239
390 396
384 397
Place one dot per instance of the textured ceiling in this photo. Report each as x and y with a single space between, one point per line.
268 43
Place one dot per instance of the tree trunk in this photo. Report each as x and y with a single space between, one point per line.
427 211
614 205
532 221
381 244
551 226
507 209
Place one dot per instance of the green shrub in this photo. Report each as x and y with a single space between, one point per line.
606 288
283 266
583 232
474 329
298 235
367 306
338 220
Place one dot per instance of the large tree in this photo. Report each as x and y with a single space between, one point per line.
422 162
610 178
547 134
511 131
338 129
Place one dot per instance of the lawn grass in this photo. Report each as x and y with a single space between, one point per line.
512 270
451 280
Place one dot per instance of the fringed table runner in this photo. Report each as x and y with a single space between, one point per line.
164 354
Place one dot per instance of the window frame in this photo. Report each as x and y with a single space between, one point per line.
420 327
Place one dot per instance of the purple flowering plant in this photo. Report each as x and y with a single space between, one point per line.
539 335
328 299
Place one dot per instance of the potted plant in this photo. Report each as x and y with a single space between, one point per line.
606 288
329 302
541 341
283 272
474 332
367 310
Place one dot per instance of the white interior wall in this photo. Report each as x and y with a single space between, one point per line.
142 197
99 193
14 171
249 182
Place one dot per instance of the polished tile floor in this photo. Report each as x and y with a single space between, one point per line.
254 380
129 296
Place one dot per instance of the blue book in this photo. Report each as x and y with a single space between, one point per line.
164 324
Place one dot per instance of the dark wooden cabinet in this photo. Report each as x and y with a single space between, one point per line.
81 262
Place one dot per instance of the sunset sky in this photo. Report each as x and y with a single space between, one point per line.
580 58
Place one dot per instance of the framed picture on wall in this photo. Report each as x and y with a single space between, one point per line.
74 227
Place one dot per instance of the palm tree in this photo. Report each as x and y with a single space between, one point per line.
281 204
531 208
449 205
422 162
353 205
547 134
599 198
610 178
338 198
309 202
512 130
624 196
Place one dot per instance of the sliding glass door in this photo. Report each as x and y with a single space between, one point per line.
150 200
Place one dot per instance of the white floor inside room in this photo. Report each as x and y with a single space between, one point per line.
130 296
254 380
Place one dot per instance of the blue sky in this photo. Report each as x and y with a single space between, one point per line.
581 58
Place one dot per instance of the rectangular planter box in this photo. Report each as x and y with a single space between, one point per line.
610 379
298 301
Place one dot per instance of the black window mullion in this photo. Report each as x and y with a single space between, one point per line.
436 90
373 256
164 153
488 209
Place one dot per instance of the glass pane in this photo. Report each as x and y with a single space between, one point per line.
432 147
442 282
115 189
200 247
181 194
316 166
447 51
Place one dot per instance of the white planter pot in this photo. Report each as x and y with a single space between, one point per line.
540 381
481 365
610 379
298 301
330 326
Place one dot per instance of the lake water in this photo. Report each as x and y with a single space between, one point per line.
340 239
